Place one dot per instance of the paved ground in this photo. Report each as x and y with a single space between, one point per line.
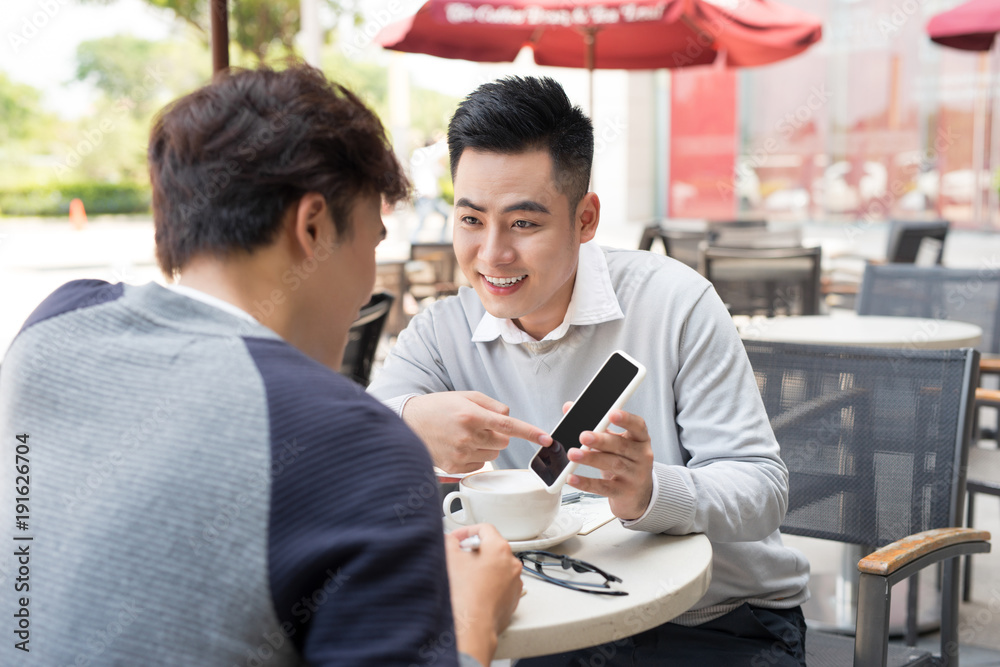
37 256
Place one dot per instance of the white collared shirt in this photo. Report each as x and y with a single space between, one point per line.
593 301
210 300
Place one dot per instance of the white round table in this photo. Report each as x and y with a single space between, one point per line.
664 576
866 330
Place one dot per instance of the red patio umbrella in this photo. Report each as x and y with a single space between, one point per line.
607 34
972 26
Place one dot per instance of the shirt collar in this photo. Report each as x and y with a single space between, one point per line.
216 302
593 301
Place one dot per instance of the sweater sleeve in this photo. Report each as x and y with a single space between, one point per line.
356 549
414 366
466 660
734 486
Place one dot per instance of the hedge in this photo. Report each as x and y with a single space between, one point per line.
53 200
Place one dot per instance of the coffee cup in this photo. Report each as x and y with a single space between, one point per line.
516 502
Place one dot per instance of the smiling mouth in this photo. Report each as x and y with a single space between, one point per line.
504 282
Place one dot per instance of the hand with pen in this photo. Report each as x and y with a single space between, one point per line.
485 582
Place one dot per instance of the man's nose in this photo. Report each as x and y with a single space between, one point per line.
496 248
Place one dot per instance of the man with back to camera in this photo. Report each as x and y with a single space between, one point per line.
474 374
204 489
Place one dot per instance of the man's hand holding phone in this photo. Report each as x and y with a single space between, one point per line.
625 461
464 429
596 408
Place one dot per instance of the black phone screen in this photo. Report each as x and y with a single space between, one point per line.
588 411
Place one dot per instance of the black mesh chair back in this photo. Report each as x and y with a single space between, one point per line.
874 438
744 223
681 237
936 292
905 237
363 338
756 237
764 281
875 441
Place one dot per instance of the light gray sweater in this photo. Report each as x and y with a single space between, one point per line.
717 469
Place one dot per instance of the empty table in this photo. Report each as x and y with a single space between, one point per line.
866 331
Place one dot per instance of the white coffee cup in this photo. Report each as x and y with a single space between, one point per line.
514 501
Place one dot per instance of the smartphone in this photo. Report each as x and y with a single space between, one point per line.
607 391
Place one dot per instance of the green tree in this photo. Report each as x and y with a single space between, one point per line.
115 64
430 110
20 106
368 80
136 77
27 135
140 74
258 27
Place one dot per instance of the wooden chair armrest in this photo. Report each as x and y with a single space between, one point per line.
987 396
830 287
893 556
989 365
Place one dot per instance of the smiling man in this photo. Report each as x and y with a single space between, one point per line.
480 375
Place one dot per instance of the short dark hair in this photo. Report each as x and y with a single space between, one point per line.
227 160
516 114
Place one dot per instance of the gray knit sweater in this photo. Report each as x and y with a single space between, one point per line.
717 469
199 492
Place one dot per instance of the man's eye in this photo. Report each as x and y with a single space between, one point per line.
523 224
469 220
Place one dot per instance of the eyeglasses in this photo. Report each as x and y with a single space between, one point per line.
544 559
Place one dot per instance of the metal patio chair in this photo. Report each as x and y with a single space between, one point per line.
936 292
764 281
906 237
432 271
680 238
875 441
363 338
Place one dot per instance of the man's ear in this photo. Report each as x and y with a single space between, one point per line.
588 216
312 222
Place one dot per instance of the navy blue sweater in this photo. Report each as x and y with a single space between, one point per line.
202 493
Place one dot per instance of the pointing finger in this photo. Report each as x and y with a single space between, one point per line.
515 428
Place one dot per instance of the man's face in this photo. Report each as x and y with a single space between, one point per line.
359 249
347 275
515 237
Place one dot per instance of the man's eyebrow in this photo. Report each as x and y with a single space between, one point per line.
527 205
465 203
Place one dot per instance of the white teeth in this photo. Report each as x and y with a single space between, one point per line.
504 282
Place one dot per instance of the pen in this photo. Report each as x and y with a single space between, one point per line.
470 543
576 496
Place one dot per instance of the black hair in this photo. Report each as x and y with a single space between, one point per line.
227 160
517 114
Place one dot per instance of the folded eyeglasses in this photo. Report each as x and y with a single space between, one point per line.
536 562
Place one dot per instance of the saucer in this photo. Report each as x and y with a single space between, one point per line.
565 526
